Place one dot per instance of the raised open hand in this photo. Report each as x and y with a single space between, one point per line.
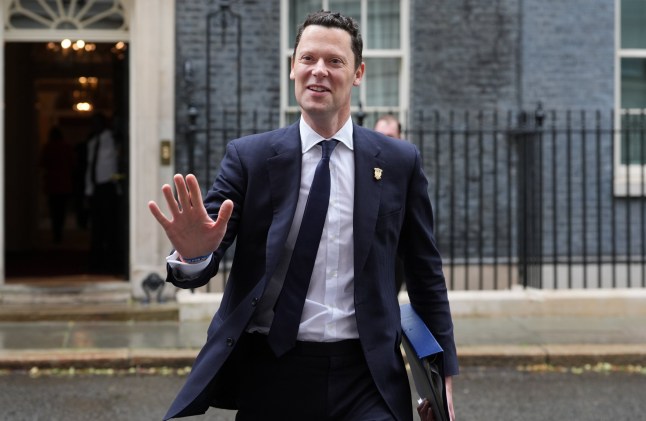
190 229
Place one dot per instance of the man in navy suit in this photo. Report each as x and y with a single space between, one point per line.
346 362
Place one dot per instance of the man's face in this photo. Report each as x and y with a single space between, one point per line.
323 71
388 127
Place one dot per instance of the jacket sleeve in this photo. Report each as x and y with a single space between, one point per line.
425 280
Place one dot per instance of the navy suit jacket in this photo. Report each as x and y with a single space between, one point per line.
392 215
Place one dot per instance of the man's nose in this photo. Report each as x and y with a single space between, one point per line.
320 69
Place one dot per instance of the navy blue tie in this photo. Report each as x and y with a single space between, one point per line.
289 306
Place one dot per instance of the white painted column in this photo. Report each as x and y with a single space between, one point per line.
152 119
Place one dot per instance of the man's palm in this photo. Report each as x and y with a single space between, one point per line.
190 229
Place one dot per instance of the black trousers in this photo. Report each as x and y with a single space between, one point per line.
313 382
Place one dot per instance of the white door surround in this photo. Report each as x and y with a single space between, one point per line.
149 30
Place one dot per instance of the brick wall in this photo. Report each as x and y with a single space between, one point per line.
256 79
568 53
511 54
464 54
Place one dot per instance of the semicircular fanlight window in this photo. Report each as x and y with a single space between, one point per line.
66 15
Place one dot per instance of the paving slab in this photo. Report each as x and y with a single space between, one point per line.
135 334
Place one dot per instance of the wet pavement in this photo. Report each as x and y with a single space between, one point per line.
492 341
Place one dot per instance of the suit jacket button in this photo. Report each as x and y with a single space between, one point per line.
254 302
230 341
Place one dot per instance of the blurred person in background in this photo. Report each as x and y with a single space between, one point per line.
57 161
389 125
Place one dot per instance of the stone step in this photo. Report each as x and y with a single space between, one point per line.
84 312
108 301
69 293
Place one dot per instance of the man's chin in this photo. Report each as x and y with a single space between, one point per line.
316 110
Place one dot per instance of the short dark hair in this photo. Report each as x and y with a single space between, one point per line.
335 20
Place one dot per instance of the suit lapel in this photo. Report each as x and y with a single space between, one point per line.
284 171
367 194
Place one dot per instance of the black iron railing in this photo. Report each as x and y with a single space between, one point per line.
545 199
535 199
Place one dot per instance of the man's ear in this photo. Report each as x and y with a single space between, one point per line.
358 74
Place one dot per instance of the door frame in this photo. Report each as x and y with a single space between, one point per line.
151 38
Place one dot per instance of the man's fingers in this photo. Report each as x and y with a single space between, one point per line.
157 213
182 192
173 207
194 189
225 212
424 411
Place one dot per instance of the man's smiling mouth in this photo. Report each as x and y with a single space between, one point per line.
318 88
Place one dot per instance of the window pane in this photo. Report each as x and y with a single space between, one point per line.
633 139
291 93
633 30
372 116
633 83
383 24
102 14
292 117
298 11
356 96
633 96
382 82
351 8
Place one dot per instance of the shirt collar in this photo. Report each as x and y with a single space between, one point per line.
309 138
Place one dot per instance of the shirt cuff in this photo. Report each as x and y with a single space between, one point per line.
186 271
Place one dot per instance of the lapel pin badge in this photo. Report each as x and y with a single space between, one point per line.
378 173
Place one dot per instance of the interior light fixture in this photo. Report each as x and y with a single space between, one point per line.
83 107
78 45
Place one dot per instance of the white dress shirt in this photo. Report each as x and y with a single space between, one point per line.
106 160
328 314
